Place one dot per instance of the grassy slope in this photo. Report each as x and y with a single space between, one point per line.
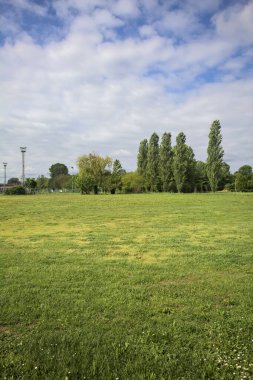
152 286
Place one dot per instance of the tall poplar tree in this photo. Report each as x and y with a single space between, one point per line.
215 154
165 161
153 163
142 158
190 185
180 161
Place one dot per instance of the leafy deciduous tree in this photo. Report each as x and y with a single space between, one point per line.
31 184
215 154
180 161
243 178
133 182
96 168
153 163
225 177
246 170
58 169
165 162
61 181
13 181
142 158
42 182
189 184
201 179
117 172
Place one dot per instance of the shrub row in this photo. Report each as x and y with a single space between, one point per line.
16 190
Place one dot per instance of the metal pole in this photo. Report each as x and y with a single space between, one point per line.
72 179
23 150
5 164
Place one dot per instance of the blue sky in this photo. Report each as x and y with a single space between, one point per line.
78 76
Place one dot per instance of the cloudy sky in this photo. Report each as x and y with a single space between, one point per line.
81 76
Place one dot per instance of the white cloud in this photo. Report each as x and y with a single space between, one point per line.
147 31
235 24
103 17
180 23
126 8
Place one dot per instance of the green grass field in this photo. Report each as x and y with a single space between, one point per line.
149 286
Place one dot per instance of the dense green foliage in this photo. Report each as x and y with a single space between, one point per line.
15 190
30 184
60 178
115 182
165 162
136 287
96 169
175 168
153 179
13 181
201 179
142 158
42 182
244 179
133 182
183 162
215 154
167 168
58 169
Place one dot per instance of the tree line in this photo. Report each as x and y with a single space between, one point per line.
161 167
164 167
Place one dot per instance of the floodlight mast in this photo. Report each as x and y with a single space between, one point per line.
5 165
72 179
23 150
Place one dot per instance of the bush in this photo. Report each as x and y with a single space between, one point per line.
16 190
133 183
229 187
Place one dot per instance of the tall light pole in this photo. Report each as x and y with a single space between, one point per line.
72 179
23 150
5 164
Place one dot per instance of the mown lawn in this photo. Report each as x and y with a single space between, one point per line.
149 286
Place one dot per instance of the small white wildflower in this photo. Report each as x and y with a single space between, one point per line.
35 367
